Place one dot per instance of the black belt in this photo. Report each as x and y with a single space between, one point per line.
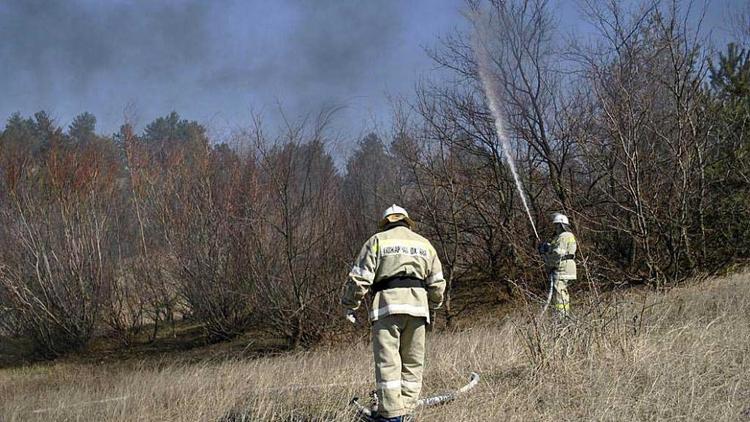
570 256
396 282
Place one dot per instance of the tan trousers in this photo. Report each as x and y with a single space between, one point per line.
560 296
398 344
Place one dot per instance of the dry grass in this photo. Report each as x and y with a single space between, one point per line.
682 355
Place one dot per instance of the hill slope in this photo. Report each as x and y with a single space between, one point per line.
638 356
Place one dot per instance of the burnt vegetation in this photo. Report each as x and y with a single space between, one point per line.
639 135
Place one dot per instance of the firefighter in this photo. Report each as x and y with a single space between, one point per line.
404 274
559 262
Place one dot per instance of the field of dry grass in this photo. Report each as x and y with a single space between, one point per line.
683 355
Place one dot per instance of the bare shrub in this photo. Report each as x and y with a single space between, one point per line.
145 291
58 264
203 212
298 234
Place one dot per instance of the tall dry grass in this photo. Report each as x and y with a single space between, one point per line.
638 356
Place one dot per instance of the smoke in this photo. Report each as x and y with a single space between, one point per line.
64 53
336 48
197 57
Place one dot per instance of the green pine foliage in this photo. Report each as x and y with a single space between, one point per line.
729 170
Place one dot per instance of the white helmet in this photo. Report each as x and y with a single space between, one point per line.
558 218
395 213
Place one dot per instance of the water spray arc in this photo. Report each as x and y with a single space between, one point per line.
490 92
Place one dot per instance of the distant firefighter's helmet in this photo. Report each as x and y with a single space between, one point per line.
558 218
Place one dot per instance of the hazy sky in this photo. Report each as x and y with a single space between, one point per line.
215 61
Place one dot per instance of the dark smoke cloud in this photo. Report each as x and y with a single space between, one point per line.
56 53
214 60
201 58
343 51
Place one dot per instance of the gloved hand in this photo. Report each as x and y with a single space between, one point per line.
350 316
544 247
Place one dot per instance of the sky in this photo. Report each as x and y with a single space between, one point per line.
218 61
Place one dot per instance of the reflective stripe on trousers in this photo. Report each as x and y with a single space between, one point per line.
560 296
398 343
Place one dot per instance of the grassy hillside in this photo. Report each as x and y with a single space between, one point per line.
635 356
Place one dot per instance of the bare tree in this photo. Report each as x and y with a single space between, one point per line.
648 151
369 186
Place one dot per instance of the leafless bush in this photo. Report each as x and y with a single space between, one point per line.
298 233
57 262
145 291
205 225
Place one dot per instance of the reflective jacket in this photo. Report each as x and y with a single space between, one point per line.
396 251
559 259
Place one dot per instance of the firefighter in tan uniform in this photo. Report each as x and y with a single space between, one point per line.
559 262
402 270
